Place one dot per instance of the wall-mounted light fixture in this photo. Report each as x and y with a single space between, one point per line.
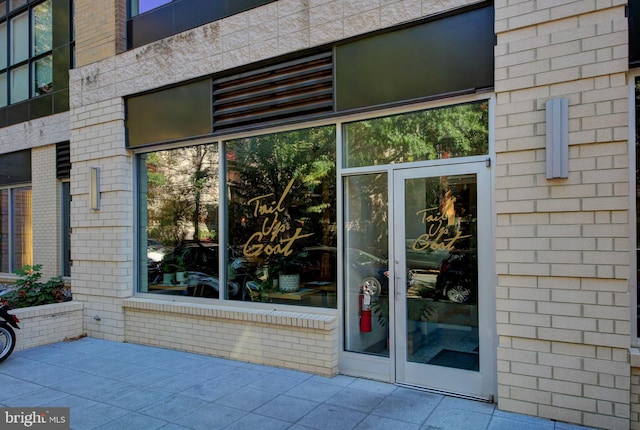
557 138
94 188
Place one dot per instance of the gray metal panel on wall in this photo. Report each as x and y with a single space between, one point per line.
169 114
447 55
557 123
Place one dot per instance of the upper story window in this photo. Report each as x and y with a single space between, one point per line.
26 46
142 6
152 20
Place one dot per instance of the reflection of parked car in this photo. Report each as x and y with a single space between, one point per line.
458 277
319 263
203 285
155 250
420 256
201 261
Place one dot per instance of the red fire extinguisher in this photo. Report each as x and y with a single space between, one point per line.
365 309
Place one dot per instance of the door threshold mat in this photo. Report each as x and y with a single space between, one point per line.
379 348
458 359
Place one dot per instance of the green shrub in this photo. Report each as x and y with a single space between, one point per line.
31 292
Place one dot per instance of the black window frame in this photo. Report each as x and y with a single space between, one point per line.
56 99
32 59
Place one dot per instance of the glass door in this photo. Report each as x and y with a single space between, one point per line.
444 314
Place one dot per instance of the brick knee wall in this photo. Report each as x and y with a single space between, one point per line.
305 342
41 325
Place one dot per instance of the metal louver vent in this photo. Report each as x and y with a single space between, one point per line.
63 160
298 88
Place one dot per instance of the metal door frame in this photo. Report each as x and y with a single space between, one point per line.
466 383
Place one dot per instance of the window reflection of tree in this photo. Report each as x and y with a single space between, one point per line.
445 132
43 43
367 217
42 28
265 165
183 194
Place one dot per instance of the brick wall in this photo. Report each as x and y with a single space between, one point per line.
562 244
292 340
41 325
635 398
101 241
46 212
99 31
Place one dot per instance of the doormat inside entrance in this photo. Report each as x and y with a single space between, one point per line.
457 359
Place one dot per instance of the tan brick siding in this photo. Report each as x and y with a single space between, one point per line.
100 31
562 245
41 325
46 212
284 339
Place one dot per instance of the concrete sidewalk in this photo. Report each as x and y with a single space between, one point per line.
111 385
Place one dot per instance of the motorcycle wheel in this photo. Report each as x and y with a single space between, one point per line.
458 293
7 341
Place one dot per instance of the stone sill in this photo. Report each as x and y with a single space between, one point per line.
50 310
253 315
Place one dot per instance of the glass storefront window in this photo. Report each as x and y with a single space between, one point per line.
15 229
280 203
178 212
367 243
281 216
22 251
432 134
